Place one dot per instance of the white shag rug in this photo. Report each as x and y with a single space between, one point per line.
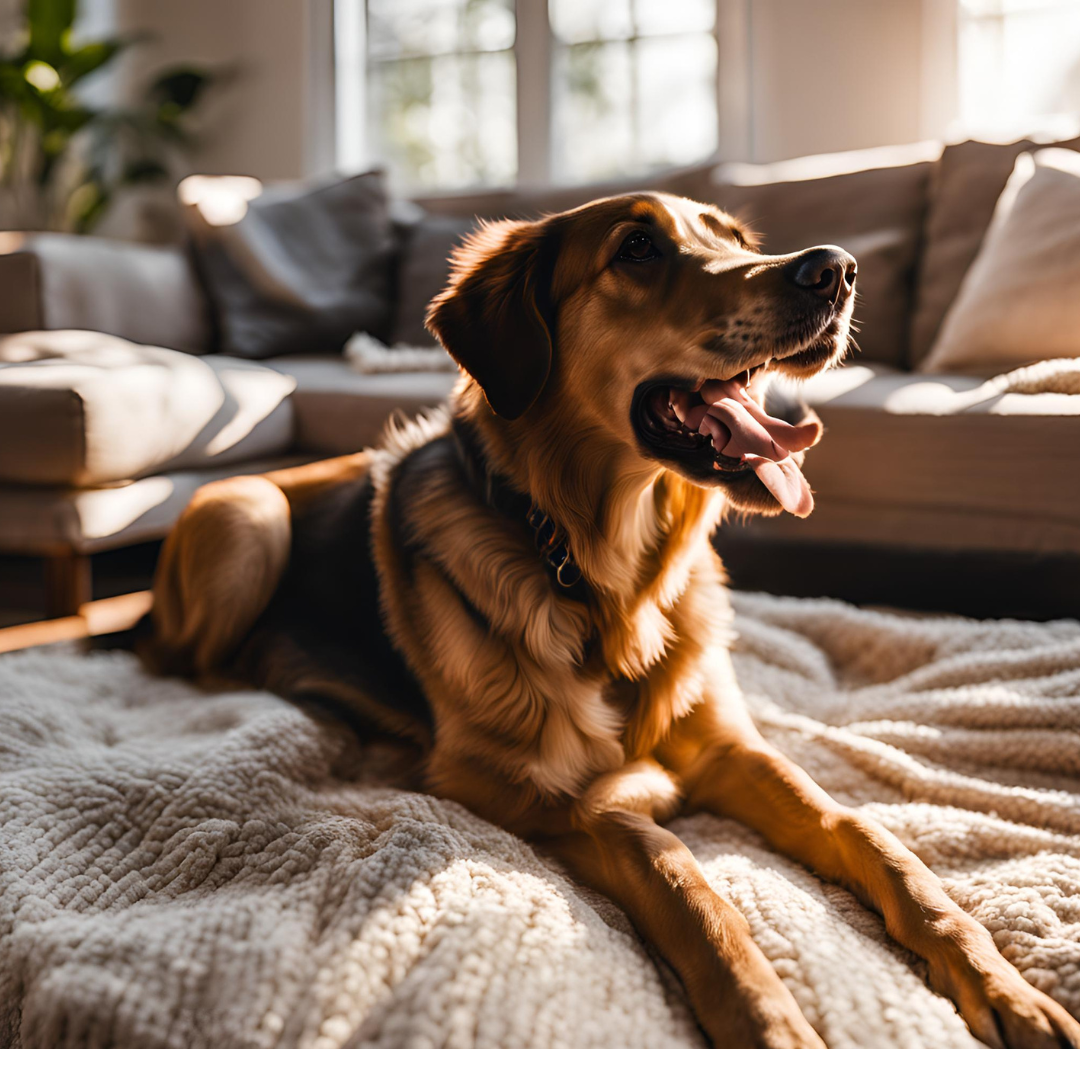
180 868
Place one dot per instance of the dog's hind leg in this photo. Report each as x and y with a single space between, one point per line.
218 569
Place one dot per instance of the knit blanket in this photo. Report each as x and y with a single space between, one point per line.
187 868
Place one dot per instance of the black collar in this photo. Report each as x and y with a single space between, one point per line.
551 541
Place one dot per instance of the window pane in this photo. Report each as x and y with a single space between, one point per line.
674 16
446 121
676 96
430 27
592 113
627 107
576 21
1019 70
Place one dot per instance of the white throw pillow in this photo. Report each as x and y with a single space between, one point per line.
1020 300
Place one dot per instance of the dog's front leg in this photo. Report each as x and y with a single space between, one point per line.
620 850
742 777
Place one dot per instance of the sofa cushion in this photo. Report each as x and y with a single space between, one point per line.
51 281
1019 301
870 202
39 520
340 411
423 267
293 271
932 462
967 182
82 408
530 202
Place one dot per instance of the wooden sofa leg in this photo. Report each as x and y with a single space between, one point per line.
67 584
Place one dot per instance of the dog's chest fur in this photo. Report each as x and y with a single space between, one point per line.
541 690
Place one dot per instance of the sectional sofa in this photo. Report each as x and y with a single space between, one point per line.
118 398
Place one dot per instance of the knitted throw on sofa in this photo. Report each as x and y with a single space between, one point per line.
184 868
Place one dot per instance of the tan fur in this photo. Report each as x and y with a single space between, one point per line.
203 607
585 722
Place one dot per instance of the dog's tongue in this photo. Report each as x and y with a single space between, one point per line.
740 428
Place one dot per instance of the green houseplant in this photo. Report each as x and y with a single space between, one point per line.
62 161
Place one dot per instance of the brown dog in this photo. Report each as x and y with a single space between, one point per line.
581 695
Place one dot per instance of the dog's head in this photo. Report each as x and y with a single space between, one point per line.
590 319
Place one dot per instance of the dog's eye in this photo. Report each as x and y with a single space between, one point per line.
638 247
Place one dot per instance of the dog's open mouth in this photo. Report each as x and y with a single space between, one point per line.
719 426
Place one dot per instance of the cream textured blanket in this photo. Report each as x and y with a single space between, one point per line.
190 869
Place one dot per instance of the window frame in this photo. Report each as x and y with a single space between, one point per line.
533 67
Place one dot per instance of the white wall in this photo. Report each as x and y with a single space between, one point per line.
263 121
829 75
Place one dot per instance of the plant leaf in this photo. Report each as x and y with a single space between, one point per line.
49 20
180 87
88 58
87 203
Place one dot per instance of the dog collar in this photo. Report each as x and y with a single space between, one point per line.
552 544
551 540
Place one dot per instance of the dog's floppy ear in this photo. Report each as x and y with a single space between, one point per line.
496 317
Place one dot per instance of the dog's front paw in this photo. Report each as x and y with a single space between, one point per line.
1004 1010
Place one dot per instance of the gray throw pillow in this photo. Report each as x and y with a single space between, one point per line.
300 271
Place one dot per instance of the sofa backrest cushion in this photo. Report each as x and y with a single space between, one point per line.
299 271
870 202
967 182
52 281
532 202
432 226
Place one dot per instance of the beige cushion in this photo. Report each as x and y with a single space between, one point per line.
39 520
50 281
939 462
340 411
81 408
967 182
870 202
1020 300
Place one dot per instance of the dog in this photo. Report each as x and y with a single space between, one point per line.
523 588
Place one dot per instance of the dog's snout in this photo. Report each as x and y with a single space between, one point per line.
828 271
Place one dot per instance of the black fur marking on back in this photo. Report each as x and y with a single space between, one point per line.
325 623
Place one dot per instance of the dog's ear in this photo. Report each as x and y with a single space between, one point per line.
496 317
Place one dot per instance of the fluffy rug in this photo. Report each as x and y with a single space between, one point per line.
180 868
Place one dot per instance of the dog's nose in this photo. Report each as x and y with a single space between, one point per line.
828 271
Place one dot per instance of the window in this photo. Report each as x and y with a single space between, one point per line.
1019 64
481 93
634 85
441 90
